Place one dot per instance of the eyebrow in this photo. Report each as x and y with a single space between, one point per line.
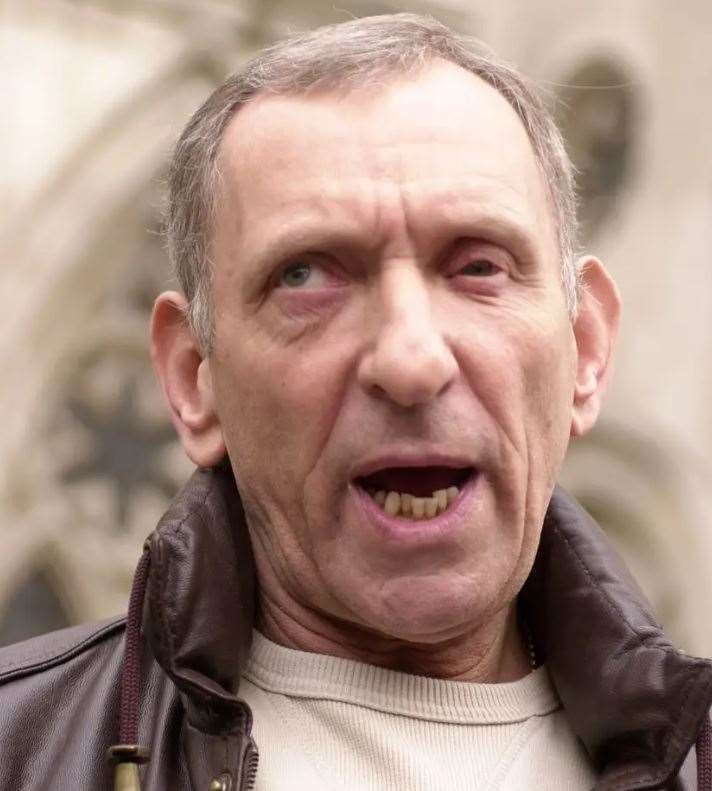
302 238
492 216
312 234
507 232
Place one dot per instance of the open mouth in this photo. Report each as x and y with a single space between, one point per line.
415 492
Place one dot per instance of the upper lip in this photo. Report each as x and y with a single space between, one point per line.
413 458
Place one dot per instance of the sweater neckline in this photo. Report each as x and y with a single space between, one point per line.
299 674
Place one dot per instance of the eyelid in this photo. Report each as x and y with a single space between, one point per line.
479 250
292 261
325 263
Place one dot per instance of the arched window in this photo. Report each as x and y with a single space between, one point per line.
113 444
597 115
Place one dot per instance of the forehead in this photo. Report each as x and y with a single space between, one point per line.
414 147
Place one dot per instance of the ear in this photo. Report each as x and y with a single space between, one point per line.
186 380
595 329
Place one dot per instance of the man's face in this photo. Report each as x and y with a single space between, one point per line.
389 317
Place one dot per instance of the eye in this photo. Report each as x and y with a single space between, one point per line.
480 267
303 274
295 275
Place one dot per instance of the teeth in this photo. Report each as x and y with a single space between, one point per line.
406 505
393 503
418 506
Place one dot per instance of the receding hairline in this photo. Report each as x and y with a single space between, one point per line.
373 91
389 77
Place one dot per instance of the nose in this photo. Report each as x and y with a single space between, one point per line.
408 360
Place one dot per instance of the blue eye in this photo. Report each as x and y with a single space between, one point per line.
295 275
480 268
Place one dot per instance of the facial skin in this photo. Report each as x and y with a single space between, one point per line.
386 286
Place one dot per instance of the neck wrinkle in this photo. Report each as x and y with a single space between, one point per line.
472 657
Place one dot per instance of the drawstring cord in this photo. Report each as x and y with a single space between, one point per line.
128 754
704 756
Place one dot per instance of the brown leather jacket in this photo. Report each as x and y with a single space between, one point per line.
636 703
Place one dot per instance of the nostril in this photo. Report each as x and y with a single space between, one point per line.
405 392
408 370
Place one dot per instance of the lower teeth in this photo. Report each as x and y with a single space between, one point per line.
410 507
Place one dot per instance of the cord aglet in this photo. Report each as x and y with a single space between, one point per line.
125 759
126 777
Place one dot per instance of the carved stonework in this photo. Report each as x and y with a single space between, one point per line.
597 116
118 444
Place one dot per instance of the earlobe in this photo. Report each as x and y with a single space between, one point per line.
186 381
595 329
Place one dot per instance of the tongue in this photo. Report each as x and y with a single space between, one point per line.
418 481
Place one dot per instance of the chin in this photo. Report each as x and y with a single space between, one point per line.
430 610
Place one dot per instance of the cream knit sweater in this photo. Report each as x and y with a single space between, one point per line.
323 723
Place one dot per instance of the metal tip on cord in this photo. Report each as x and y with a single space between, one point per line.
126 778
126 759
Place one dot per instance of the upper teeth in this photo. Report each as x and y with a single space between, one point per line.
404 504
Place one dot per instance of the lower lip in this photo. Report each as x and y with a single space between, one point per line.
446 524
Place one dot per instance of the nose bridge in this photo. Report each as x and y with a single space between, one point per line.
409 360
405 304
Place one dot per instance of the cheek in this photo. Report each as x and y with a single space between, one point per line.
535 355
276 408
522 371
548 365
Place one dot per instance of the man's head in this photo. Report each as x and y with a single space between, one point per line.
392 308
358 53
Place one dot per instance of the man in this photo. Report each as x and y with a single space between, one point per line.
382 346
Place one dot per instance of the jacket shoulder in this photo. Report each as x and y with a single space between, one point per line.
56 690
55 648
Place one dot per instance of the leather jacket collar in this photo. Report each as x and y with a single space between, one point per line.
636 702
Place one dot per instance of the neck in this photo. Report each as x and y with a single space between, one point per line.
493 653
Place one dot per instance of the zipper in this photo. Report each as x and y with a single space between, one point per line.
249 771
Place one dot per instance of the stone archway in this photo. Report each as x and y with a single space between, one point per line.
638 494
90 456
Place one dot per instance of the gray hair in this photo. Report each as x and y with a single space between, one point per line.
331 57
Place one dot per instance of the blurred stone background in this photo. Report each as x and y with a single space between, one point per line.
94 92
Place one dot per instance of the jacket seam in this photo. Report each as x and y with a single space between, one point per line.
625 774
170 606
673 738
165 607
40 661
657 777
609 602
166 604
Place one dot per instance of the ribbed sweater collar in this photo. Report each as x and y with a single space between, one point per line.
316 676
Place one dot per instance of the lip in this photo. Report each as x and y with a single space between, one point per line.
438 528
415 458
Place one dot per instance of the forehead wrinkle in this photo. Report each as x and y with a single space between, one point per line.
497 214
400 225
393 200
318 217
